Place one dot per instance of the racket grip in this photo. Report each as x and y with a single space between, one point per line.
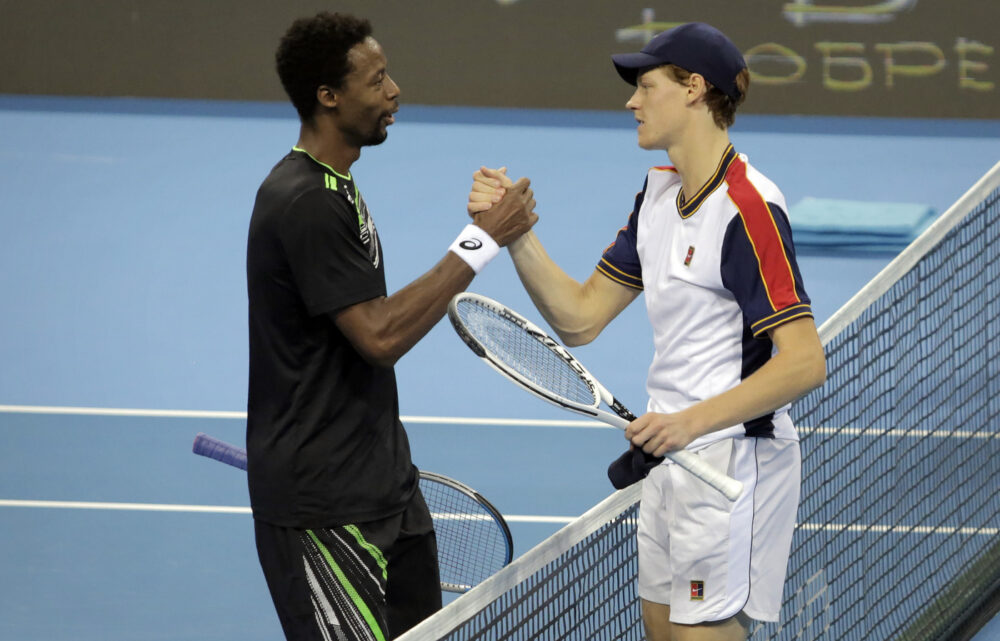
728 486
205 445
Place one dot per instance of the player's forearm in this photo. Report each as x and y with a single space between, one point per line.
560 299
382 330
786 377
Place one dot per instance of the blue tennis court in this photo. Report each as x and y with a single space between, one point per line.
122 231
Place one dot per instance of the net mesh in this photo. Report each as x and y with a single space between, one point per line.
525 352
899 521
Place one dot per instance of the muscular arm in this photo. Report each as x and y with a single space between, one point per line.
798 367
578 312
383 329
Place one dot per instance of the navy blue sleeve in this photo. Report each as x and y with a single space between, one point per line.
620 261
759 268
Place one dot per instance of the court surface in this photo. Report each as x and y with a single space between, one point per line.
122 232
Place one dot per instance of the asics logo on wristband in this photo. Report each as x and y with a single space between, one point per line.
475 247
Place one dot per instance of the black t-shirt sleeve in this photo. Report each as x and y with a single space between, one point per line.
331 267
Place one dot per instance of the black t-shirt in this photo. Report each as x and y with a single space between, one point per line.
324 440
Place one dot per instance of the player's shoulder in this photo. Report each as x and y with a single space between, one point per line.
295 172
660 178
663 173
746 183
297 186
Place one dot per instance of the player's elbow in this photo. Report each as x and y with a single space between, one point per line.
580 329
814 370
579 319
801 355
377 345
380 351
576 338
373 332
385 361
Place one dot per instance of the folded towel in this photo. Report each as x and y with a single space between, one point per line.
631 467
864 226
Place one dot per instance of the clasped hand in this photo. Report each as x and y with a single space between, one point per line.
502 208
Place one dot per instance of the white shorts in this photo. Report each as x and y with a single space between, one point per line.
709 558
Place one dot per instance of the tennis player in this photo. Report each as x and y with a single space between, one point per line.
344 537
708 241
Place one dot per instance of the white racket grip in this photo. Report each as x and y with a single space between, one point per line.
728 486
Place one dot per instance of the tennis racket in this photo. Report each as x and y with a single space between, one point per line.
525 354
473 539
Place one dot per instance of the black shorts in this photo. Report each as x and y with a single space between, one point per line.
366 581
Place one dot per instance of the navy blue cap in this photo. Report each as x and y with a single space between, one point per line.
696 47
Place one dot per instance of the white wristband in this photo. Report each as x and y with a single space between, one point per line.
475 247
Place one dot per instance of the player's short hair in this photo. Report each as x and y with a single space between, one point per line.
721 106
313 52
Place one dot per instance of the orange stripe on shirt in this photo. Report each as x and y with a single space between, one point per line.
758 220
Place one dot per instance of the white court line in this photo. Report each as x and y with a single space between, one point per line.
511 518
462 420
114 411
212 509
899 529
128 507
159 413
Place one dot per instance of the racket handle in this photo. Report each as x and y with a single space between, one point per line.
728 486
213 448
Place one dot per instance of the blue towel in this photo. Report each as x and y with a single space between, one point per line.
862 226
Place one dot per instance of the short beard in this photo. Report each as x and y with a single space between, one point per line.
368 139
377 138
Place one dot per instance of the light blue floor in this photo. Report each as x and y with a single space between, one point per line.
121 266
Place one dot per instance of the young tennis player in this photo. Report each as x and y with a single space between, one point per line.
343 535
709 243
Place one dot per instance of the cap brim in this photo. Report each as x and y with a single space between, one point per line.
628 65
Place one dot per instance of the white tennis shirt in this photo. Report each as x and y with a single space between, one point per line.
718 271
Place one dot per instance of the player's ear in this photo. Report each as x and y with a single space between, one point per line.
326 96
697 86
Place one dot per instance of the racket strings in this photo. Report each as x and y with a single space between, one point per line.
522 352
472 545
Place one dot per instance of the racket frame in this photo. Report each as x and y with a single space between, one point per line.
501 523
213 448
728 486
597 390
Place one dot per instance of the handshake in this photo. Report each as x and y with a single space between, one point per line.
502 208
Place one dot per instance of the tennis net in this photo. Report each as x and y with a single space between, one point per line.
898 522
